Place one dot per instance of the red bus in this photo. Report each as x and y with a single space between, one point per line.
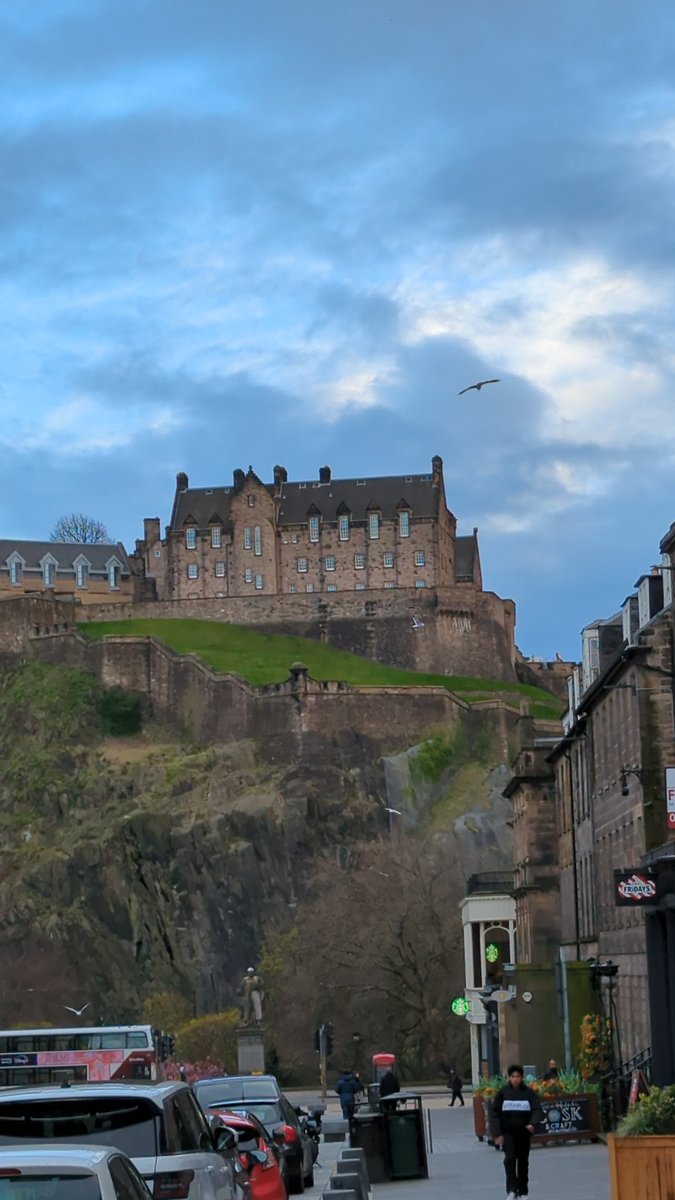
33 1056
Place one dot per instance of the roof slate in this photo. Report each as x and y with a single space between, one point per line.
65 554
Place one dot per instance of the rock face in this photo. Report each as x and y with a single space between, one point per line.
131 866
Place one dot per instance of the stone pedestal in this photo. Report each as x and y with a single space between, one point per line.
251 1050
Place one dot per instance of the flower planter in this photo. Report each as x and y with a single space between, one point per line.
479 1125
642 1168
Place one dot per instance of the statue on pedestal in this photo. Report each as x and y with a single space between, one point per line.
252 996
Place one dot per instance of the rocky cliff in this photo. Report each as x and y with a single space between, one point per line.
135 864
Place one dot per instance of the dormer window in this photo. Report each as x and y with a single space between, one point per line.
49 574
16 572
373 524
191 537
343 527
314 528
113 575
82 574
404 524
216 537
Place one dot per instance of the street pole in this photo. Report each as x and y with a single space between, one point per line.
323 1055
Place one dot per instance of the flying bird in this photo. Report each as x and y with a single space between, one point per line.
416 623
78 1011
477 386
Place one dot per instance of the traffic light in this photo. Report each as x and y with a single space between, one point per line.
317 1040
329 1039
170 1045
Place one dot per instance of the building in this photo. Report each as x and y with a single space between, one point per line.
322 535
489 927
89 572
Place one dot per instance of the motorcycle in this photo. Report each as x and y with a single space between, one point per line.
311 1123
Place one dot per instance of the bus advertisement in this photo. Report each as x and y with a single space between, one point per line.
95 1055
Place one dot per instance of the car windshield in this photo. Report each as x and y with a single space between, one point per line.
61 1185
268 1112
128 1123
211 1091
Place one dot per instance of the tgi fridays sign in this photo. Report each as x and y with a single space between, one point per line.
634 888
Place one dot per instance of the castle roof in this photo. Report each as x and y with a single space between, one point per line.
65 554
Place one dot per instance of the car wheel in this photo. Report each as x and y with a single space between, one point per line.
296 1183
309 1179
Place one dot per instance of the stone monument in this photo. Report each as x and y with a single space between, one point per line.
250 1035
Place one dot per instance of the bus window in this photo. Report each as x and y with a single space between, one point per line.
137 1041
113 1041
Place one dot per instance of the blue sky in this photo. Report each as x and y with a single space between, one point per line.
291 231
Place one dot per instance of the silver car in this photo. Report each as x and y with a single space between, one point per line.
69 1173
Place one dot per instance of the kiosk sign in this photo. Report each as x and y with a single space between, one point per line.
670 796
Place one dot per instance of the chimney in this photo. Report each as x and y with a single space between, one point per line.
437 468
239 477
151 532
324 474
181 482
280 476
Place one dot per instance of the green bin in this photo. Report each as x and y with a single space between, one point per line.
404 1141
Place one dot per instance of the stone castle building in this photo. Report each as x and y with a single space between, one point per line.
91 573
323 535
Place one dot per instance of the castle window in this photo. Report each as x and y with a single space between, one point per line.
332 587
388 559
258 583
303 565
216 537
251 501
309 587
404 524
257 540
373 525
295 538
220 570
158 553
191 538
314 528
343 527
360 587
390 583
292 587
360 562
330 562
16 572
114 576
82 575
419 583
248 575
248 541
193 571
420 558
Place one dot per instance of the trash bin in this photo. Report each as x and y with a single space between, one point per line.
404 1141
367 1133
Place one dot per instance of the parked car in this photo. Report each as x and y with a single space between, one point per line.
159 1126
236 1087
262 1160
69 1173
276 1114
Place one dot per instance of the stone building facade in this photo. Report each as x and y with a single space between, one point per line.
90 573
318 536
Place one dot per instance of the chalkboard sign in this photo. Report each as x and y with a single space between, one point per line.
569 1117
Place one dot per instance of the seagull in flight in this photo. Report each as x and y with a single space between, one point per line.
477 386
78 1011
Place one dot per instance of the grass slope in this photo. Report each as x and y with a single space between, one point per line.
266 657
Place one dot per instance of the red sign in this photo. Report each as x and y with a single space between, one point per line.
634 887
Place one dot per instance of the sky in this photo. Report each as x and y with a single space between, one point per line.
241 232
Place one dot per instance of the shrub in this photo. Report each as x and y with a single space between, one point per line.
212 1037
653 1114
120 713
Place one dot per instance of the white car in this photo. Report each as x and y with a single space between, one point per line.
159 1126
69 1173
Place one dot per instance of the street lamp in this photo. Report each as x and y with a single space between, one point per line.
623 778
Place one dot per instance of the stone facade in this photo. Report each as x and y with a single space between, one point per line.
326 535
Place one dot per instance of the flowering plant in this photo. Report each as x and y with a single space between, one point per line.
191 1072
594 1050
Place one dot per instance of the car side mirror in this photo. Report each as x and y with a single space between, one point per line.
225 1140
279 1134
258 1156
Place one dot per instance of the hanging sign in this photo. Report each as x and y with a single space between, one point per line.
634 888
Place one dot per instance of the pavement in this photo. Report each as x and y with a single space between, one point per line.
462 1166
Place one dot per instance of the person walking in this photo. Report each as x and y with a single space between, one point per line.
347 1088
389 1083
516 1112
455 1084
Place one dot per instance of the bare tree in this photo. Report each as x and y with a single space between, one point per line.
78 527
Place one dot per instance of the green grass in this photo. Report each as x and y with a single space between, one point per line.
266 658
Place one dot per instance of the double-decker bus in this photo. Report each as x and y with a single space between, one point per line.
33 1056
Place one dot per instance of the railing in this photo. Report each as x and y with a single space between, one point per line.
639 1062
490 883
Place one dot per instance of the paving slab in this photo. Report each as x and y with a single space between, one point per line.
462 1166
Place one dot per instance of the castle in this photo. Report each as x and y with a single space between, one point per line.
322 535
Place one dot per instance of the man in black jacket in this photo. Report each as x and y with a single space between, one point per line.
516 1112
